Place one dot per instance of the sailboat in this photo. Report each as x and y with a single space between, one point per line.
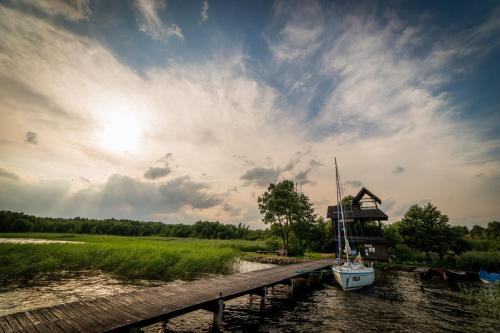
350 275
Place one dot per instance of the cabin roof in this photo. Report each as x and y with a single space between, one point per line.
356 212
362 192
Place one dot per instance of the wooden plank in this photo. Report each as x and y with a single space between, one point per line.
47 325
86 315
47 314
131 318
57 321
25 321
5 325
111 318
135 302
81 319
129 307
65 327
64 318
13 323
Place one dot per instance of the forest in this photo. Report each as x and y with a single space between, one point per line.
20 222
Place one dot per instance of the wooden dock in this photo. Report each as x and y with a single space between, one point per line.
132 310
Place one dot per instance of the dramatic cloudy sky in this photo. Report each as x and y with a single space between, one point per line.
176 111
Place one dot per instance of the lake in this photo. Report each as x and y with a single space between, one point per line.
394 303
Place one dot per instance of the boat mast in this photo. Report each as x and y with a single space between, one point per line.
339 198
339 239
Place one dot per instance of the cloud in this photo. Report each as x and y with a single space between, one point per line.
204 11
73 10
157 172
398 169
260 177
7 174
120 196
302 177
353 183
166 158
150 22
233 211
315 164
300 35
35 102
31 137
388 205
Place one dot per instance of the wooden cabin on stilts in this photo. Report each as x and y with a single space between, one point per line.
363 219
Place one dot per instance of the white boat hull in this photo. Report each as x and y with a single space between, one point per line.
351 279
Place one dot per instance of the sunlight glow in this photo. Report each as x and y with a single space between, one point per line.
121 132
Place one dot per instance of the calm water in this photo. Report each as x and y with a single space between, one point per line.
394 303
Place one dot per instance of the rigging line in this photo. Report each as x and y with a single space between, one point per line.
350 225
339 185
339 241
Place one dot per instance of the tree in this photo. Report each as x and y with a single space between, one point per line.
477 232
347 200
303 221
287 211
426 229
392 236
493 230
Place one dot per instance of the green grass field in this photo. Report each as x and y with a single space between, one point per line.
128 257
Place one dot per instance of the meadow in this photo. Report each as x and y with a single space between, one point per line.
158 258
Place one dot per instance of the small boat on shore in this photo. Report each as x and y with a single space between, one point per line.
453 275
486 277
350 275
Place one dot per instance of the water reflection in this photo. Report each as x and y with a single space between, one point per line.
67 287
34 241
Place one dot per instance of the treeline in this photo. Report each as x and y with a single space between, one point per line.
20 222
426 229
424 236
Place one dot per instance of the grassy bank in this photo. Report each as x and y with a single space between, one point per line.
468 261
488 298
127 257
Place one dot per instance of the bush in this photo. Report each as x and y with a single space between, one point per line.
474 261
484 244
273 243
406 254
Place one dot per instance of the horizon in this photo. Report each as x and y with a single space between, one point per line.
262 227
185 111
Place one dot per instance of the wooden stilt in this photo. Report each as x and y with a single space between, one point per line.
291 287
263 300
164 328
217 319
250 301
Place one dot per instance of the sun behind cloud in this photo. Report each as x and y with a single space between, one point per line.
121 132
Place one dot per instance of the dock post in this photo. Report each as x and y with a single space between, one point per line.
291 286
250 301
164 328
263 299
217 319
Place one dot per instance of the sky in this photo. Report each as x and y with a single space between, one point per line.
179 111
